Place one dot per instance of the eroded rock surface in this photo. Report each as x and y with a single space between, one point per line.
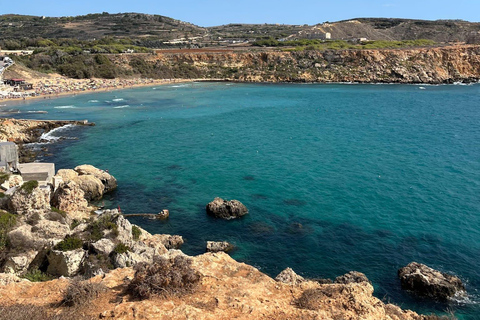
352 277
226 209
288 276
428 282
217 246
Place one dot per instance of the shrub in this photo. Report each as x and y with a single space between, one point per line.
74 224
69 243
121 248
36 275
61 212
98 225
2 195
81 292
7 222
29 186
136 232
164 277
3 177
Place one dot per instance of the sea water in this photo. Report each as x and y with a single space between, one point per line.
336 177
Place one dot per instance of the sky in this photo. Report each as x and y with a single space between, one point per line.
207 13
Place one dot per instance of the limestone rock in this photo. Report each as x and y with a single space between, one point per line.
91 186
8 278
289 276
129 259
65 263
18 264
124 228
14 180
67 174
167 240
428 282
103 246
51 230
43 233
226 209
352 277
69 197
107 179
28 203
216 246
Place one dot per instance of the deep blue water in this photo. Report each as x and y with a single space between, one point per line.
336 177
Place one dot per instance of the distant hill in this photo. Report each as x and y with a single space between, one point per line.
92 26
394 29
151 30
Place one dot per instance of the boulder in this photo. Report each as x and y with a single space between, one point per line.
91 186
288 276
27 203
352 277
226 209
51 231
65 263
107 179
14 180
167 240
69 197
217 246
18 264
425 281
129 259
43 233
103 246
124 228
67 174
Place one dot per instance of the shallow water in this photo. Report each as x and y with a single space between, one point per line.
336 177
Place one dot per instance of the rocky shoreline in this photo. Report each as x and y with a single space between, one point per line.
54 231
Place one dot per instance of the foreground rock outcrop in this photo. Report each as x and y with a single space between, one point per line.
228 290
425 281
226 209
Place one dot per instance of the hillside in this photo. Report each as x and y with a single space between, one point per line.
93 26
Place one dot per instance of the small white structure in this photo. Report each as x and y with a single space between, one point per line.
41 172
328 36
8 157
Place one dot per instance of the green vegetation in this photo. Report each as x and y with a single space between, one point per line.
314 44
69 243
2 195
61 212
74 224
3 177
121 248
36 275
7 222
136 232
29 186
97 226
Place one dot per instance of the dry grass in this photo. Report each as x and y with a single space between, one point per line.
164 277
33 312
80 293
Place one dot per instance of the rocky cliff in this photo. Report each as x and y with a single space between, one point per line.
420 65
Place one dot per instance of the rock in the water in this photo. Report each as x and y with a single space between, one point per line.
164 214
69 197
65 263
28 202
226 209
352 277
91 186
107 179
428 282
67 174
289 276
217 246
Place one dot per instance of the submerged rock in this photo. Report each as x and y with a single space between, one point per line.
352 277
217 246
428 282
288 276
226 209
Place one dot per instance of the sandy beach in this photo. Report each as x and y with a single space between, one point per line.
50 88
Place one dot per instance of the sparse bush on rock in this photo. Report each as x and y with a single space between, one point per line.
69 243
165 277
81 292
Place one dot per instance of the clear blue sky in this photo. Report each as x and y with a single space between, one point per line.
217 12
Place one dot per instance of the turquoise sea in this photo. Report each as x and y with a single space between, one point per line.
337 177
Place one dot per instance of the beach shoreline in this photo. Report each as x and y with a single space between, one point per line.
55 95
